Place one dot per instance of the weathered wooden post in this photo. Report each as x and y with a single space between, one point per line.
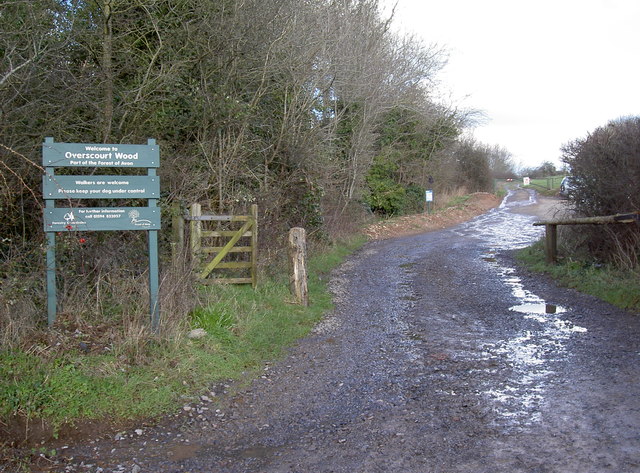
551 243
254 246
298 257
177 237
195 231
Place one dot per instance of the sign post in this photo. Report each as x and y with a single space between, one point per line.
70 188
428 197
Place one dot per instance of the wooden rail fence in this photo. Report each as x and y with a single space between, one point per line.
551 229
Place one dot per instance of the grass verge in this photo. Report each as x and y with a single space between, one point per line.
618 287
244 328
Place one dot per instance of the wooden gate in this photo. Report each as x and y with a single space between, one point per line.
224 253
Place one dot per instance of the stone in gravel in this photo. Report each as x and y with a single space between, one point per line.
197 334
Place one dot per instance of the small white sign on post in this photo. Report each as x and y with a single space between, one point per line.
526 181
429 196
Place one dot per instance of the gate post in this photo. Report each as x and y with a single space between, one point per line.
177 239
254 246
195 231
298 256
551 243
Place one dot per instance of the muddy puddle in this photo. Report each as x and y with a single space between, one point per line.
530 353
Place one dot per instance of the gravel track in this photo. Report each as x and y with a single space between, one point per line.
441 356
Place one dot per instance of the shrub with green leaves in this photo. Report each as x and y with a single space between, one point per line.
386 195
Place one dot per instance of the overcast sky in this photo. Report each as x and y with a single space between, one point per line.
545 72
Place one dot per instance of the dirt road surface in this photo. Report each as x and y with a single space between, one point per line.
441 356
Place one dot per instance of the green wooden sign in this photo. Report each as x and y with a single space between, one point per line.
58 219
100 155
101 187
83 219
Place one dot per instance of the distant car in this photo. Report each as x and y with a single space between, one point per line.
566 186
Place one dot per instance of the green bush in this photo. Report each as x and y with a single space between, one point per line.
386 196
414 199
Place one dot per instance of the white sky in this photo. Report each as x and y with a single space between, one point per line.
545 72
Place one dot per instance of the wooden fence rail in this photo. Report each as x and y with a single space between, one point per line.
551 229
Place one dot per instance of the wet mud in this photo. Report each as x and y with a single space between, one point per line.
441 356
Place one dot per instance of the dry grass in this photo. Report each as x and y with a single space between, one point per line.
612 244
446 198
18 320
104 309
22 296
626 247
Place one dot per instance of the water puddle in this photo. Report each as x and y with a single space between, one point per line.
538 308
531 353
503 230
508 203
526 361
